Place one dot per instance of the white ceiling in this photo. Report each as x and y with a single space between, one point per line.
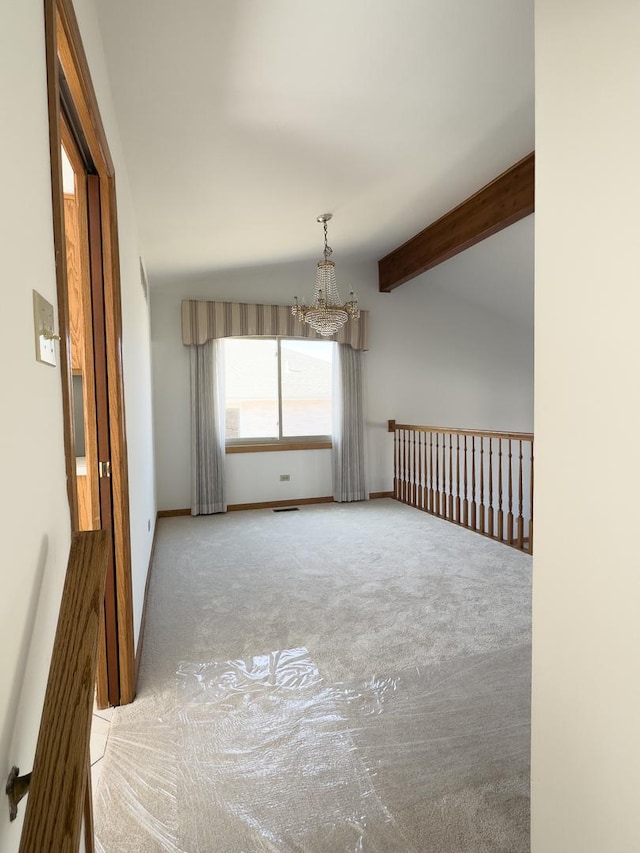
242 120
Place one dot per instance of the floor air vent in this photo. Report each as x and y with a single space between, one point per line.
287 509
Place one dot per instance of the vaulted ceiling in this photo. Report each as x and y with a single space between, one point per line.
242 120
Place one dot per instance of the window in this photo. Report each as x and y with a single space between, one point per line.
277 389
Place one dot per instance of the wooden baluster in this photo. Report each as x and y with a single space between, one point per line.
500 510
520 502
443 478
409 486
443 493
430 472
399 443
465 503
443 505
409 433
405 486
440 469
490 531
443 474
409 475
416 479
458 478
437 493
404 466
399 464
415 470
407 469
531 502
473 483
450 501
424 472
481 513
395 464
420 474
510 512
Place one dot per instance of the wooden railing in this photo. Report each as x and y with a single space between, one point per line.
58 784
478 479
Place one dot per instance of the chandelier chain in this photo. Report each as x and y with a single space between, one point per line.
328 251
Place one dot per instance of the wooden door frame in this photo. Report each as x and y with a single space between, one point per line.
65 55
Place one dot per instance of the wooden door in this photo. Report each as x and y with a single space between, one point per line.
85 310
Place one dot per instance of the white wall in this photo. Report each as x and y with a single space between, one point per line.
34 514
586 690
453 347
136 334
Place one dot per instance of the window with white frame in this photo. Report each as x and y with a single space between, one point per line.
277 389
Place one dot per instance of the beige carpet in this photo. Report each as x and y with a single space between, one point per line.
341 678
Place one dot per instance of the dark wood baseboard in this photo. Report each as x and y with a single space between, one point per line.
173 513
145 601
276 504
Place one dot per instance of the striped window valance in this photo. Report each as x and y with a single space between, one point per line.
205 321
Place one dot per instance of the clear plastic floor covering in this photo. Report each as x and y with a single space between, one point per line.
263 755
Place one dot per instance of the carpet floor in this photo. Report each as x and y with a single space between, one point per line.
342 678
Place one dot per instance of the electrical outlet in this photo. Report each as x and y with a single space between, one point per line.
284 478
149 525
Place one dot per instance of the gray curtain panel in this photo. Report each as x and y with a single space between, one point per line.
348 430
207 429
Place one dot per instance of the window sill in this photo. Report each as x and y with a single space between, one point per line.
280 445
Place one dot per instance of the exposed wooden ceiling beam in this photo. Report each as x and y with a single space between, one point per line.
505 200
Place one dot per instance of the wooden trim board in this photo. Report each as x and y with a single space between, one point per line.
276 504
55 805
57 199
281 445
174 513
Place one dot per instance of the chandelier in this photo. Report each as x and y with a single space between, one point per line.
327 314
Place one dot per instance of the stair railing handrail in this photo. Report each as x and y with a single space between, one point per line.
58 782
515 436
